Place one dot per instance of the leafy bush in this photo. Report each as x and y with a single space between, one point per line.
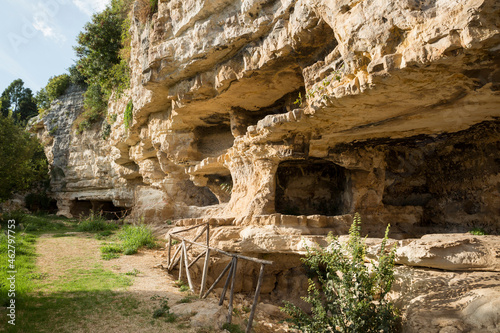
135 237
348 296
22 159
56 87
129 114
95 222
76 78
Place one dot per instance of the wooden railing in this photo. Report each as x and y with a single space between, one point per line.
181 259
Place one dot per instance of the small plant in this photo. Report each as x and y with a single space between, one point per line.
163 310
175 241
105 130
232 328
135 237
53 130
109 256
477 232
181 285
348 296
187 299
133 272
299 100
128 116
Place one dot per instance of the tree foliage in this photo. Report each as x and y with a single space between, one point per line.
348 295
22 159
18 102
99 46
103 53
56 87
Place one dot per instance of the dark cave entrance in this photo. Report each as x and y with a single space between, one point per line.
106 208
310 187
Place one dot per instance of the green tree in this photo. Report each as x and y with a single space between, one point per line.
99 46
103 54
18 100
348 297
22 160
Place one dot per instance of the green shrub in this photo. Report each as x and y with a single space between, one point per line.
95 222
56 87
76 78
111 248
135 237
22 159
477 232
129 114
348 296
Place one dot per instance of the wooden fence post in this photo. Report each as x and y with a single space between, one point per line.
256 298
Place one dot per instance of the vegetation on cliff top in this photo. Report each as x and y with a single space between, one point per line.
103 52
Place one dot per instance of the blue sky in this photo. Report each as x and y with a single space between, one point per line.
37 38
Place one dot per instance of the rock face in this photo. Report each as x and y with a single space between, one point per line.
301 108
81 170
396 114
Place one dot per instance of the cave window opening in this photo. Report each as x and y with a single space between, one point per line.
221 185
310 187
83 208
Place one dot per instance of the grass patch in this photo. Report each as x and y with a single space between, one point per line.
76 294
111 251
135 237
95 222
24 265
103 234
232 328
133 272
187 299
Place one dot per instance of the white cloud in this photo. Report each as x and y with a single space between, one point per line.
44 20
43 24
91 6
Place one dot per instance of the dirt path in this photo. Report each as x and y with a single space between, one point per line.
60 256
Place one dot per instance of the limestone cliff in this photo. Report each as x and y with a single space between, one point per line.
398 116
247 109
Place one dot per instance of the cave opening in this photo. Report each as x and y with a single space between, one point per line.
310 187
212 141
221 186
106 208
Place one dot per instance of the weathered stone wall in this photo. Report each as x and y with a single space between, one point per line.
82 174
399 100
